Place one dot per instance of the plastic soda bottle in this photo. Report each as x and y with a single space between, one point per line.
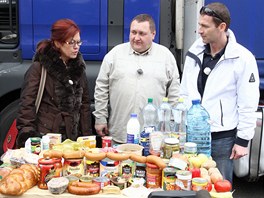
133 129
198 128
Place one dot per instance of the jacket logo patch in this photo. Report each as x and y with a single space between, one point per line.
252 78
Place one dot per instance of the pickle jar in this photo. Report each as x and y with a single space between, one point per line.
35 145
171 146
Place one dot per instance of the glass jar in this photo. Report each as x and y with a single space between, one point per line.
153 176
190 149
35 145
171 146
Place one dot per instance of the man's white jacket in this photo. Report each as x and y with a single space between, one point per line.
231 93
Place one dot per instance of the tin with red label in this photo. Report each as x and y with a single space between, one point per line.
49 168
106 141
92 168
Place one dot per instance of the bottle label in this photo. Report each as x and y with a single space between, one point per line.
130 138
133 139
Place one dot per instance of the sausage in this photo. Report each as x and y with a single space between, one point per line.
156 160
73 154
117 156
52 154
95 156
83 188
138 158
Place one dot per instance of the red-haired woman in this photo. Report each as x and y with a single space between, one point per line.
65 104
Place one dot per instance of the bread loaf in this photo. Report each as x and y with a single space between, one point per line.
19 180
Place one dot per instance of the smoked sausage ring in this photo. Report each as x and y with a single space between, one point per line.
83 188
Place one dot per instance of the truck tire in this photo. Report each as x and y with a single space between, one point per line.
7 116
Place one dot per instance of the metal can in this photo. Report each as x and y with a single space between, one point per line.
73 166
153 176
49 168
92 168
183 180
199 183
35 145
107 141
171 146
101 181
168 178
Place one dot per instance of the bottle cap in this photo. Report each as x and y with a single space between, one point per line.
150 100
133 115
196 101
171 141
180 100
35 139
165 99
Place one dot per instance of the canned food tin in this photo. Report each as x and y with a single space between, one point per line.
153 176
49 168
199 183
73 167
183 180
168 178
92 168
101 181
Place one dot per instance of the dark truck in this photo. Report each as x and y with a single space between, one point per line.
104 24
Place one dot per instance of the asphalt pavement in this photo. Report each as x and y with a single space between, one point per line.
245 189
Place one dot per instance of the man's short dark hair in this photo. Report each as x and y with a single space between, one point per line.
145 17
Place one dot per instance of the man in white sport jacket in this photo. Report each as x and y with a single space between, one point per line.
224 75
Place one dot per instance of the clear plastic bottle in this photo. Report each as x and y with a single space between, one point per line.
180 122
150 120
133 129
164 115
198 128
45 143
150 116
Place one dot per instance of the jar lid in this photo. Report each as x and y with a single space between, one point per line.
35 139
46 161
190 145
171 140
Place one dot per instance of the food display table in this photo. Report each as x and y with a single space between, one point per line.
36 192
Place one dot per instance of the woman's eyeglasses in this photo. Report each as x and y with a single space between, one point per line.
210 12
74 43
